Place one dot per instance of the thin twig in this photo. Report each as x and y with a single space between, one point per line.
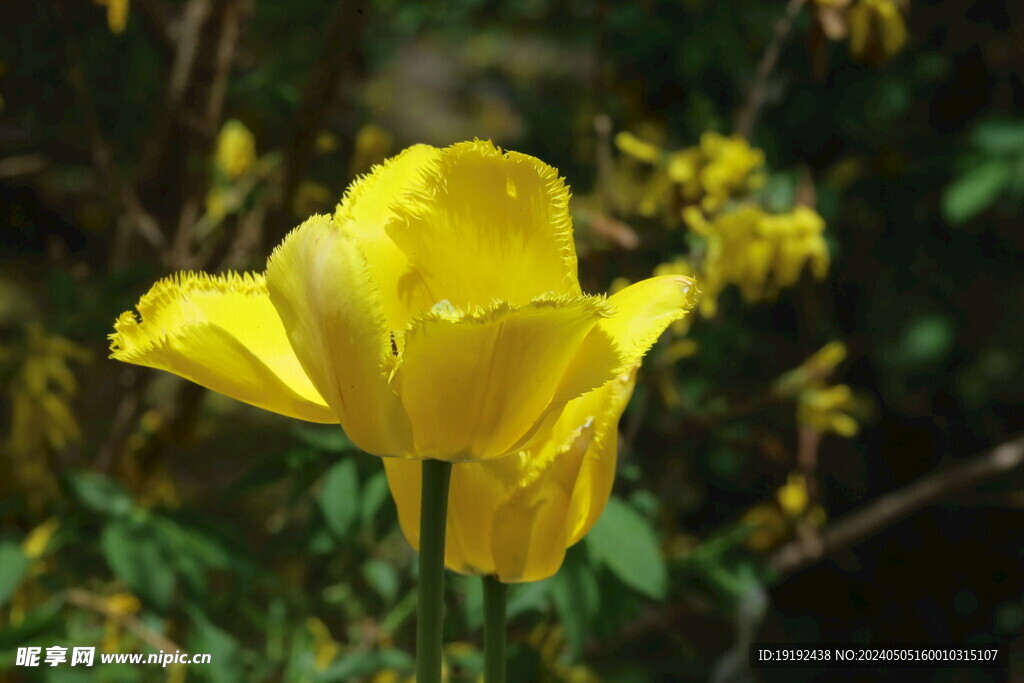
96 603
24 164
892 507
343 47
747 116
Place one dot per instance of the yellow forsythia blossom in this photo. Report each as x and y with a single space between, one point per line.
38 540
729 166
877 31
236 149
372 144
758 252
437 314
708 175
829 409
772 522
117 14
812 371
325 647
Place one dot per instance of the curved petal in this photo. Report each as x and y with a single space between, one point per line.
597 471
221 332
642 312
369 207
531 528
474 385
509 516
515 516
475 492
319 282
489 226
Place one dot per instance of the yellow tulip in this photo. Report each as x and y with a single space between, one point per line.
436 315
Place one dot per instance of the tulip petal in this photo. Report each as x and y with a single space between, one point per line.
319 282
489 227
597 471
642 312
474 494
223 333
369 207
531 528
474 385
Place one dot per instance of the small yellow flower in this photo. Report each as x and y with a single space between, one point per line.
117 14
758 252
436 315
793 497
372 145
310 197
236 149
637 148
772 522
729 166
39 538
708 175
325 648
829 409
877 31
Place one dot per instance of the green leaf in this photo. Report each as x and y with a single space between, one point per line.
226 663
339 497
527 597
626 544
136 556
382 577
999 137
576 597
927 340
13 565
975 190
330 439
375 493
100 494
365 664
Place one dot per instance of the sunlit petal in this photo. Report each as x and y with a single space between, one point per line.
224 333
489 226
367 210
319 282
474 385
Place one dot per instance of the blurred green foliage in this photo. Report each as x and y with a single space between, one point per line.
139 513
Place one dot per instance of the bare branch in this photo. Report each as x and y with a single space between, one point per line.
96 603
747 116
24 164
892 507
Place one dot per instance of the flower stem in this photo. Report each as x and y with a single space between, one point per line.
433 518
495 598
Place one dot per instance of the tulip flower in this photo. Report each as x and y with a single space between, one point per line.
436 316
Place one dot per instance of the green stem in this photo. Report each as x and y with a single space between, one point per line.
433 518
495 598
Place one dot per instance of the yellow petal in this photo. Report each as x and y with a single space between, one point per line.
475 493
369 208
642 312
597 472
489 226
515 516
319 282
221 332
521 500
474 385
